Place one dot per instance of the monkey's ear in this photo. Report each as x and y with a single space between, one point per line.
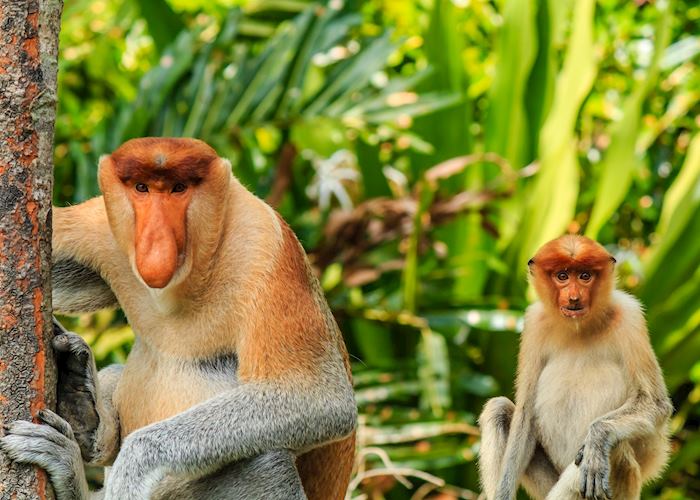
103 159
103 171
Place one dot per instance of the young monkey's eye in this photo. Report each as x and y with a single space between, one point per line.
562 276
141 187
179 188
585 276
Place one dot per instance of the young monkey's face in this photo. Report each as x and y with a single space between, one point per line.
573 275
573 287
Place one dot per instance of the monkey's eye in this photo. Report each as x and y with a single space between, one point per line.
141 187
562 276
179 188
585 276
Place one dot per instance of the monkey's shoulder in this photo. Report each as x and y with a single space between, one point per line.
627 306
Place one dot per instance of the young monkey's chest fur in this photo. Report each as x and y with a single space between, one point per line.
565 406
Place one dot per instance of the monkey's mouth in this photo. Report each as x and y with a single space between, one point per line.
573 310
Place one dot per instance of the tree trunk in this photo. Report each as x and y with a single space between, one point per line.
28 64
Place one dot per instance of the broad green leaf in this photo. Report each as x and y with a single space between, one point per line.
687 181
678 240
506 122
163 23
336 95
464 237
552 201
621 159
434 372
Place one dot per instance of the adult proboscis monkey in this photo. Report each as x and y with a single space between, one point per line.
238 383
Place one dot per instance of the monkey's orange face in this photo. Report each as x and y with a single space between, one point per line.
159 178
160 210
573 288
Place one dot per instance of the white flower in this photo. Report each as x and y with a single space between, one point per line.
331 175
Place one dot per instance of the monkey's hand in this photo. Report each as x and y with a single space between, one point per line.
52 447
76 390
593 461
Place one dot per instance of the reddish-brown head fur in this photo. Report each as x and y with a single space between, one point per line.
158 178
573 274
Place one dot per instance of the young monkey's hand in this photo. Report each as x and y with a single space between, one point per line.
594 467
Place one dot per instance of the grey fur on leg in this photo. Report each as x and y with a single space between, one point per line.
540 475
269 476
494 423
52 447
108 435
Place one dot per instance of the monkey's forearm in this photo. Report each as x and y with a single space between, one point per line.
640 416
252 419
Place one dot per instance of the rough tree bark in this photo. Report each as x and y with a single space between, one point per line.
28 64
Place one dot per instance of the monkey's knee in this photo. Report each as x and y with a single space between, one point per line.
626 476
497 414
495 419
272 475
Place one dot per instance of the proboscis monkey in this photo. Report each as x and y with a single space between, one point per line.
238 384
591 407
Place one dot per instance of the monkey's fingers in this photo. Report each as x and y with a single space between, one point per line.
583 484
587 484
579 456
69 342
74 353
46 447
26 429
604 486
52 419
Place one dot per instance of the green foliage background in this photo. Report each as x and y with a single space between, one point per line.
422 150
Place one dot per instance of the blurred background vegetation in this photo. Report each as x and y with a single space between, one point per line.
422 150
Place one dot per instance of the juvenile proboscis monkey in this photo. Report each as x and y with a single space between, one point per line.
238 383
591 407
